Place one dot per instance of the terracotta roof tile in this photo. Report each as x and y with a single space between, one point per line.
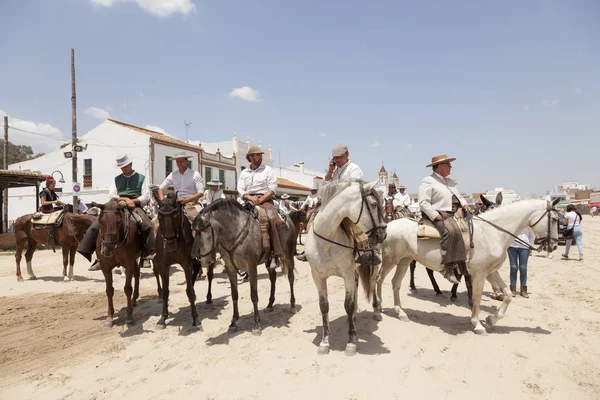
22 174
286 183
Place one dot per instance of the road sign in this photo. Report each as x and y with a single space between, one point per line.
76 189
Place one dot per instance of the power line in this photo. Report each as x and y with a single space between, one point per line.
38 134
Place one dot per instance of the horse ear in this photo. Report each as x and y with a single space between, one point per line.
499 198
370 186
555 201
485 201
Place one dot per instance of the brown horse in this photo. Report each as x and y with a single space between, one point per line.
67 236
300 221
119 244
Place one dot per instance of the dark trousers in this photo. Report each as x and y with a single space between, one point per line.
451 243
274 226
87 246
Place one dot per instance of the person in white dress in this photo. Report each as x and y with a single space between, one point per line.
213 192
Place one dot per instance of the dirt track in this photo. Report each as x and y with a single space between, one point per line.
53 345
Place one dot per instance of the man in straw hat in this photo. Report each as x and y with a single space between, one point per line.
131 189
257 186
286 205
213 192
187 183
311 200
439 199
340 167
403 198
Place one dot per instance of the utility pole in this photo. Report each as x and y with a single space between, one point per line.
74 128
5 191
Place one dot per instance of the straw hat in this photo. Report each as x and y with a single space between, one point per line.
285 196
440 159
254 150
214 182
123 160
180 154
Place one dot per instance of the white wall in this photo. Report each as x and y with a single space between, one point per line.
230 176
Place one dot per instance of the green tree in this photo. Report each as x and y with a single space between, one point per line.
16 153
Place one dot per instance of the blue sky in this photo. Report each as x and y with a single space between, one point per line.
510 88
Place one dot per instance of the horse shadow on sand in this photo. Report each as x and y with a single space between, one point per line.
76 278
455 325
368 342
279 318
444 299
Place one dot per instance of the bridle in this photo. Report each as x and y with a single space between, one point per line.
169 214
113 231
376 228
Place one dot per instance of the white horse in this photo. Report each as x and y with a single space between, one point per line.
329 250
491 240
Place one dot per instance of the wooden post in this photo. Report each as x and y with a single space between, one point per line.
5 191
74 128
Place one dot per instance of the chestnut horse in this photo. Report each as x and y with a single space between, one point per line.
300 221
119 244
67 235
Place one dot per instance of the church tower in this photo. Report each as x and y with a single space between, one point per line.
383 177
395 179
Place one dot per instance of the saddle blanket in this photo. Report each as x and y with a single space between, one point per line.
426 230
54 218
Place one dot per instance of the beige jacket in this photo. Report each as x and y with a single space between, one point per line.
435 196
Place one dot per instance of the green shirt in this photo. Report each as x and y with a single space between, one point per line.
130 187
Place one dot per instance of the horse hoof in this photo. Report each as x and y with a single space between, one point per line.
269 309
403 317
293 309
256 332
159 300
209 301
197 326
32 277
377 317
66 279
130 324
20 279
134 303
160 327
350 349
481 331
413 289
438 293
108 324
232 329
323 349
490 320
453 299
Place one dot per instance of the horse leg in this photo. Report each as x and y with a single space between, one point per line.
433 281
18 257
72 252
110 291
478 280
65 255
290 269
31 247
377 299
351 284
210 274
469 284
164 274
321 285
128 289
497 281
136 287
455 288
413 265
156 271
231 273
272 279
396 282
254 297
191 293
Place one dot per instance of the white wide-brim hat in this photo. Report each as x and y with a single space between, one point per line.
123 160
285 196
214 182
180 154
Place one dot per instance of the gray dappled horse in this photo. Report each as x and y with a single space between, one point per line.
174 241
227 228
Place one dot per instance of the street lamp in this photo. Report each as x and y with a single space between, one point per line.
187 125
62 178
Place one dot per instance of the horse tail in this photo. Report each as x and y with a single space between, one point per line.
365 273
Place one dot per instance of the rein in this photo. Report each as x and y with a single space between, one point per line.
125 228
169 214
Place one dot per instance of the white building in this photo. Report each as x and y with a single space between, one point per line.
508 195
96 167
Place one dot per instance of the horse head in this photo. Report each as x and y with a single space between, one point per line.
488 205
545 225
113 227
204 247
389 210
375 217
170 219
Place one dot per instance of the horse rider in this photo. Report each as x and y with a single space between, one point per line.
48 198
285 205
257 186
187 183
131 189
213 192
403 198
340 167
439 199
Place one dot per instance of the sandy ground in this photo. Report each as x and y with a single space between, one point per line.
53 344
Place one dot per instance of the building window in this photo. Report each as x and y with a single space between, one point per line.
222 177
87 172
168 165
207 174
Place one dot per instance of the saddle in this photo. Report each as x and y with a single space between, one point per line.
41 220
426 229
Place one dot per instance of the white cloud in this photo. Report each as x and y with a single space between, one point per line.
42 137
527 107
375 144
245 93
97 112
157 129
322 134
408 147
159 8
578 91
550 102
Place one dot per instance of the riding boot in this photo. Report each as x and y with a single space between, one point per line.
87 246
95 266
524 292
448 273
301 257
513 290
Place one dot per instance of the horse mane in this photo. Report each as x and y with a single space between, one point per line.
168 203
332 189
228 205
112 204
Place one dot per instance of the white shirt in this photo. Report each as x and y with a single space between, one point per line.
187 184
435 194
210 196
404 199
257 181
527 235
346 171
144 198
82 207
283 207
572 217
593 210
310 201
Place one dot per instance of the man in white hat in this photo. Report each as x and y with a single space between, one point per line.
403 198
286 205
213 192
340 166
311 200
131 189
439 199
257 185
187 183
